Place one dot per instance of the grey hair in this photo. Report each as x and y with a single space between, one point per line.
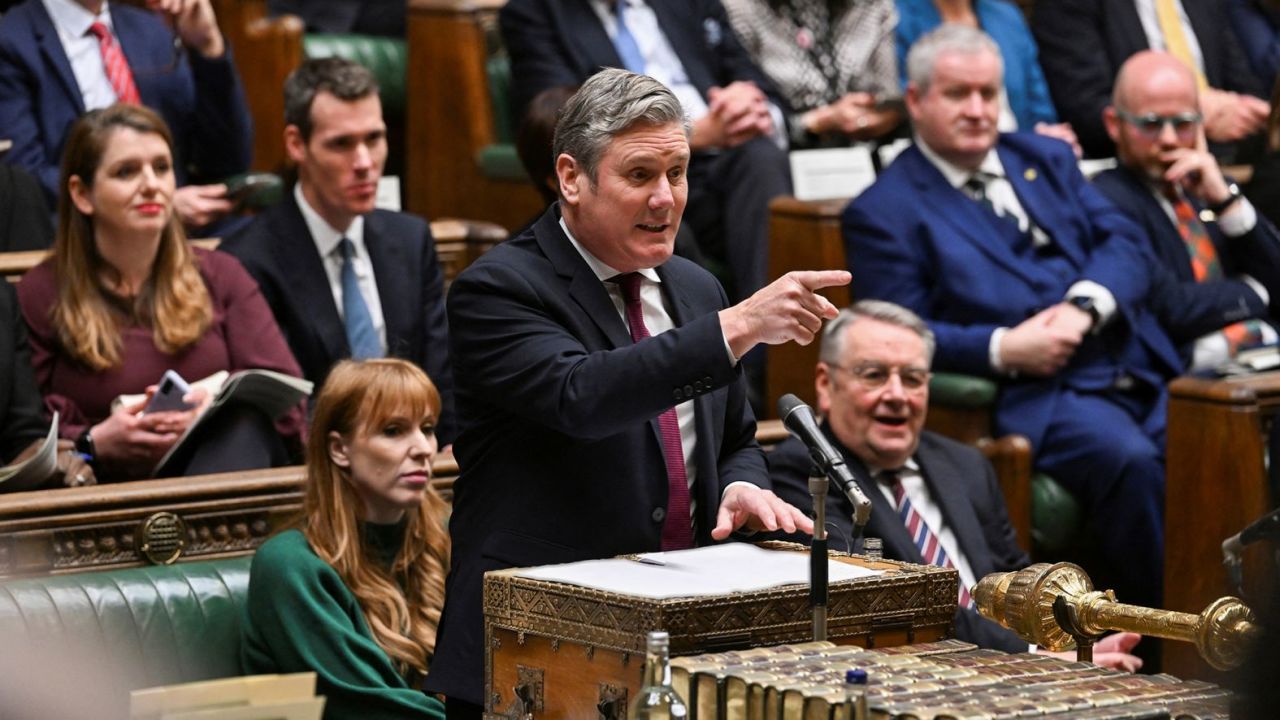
948 37
834 334
344 79
608 104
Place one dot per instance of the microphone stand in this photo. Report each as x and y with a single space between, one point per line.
818 580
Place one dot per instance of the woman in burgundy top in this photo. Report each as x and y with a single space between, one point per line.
125 298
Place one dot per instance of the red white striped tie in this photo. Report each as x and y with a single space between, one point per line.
115 65
926 542
677 530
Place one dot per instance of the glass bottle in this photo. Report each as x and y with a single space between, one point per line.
873 548
855 694
656 699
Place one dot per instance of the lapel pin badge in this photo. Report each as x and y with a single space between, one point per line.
1030 174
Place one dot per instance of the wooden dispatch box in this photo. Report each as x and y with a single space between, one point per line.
568 651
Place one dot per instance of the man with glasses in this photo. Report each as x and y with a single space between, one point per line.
1199 225
934 500
1029 276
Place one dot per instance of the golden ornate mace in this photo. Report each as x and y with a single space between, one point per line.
1056 607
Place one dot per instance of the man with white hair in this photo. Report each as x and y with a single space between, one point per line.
1027 275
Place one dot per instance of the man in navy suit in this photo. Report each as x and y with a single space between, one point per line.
738 136
1084 42
872 383
1198 224
599 396
52 70
1027 274
392 278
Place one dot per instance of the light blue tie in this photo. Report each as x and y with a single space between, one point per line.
360 333
625 43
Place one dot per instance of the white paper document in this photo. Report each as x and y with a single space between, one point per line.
831 172
714 570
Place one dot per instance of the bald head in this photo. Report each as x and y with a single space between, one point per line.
1155 110
1152 72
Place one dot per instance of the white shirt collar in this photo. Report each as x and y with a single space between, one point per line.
324 235
910 466
73 20
602 270
957 176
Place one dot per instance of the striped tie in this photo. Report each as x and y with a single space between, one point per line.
926 542
677 531
115 65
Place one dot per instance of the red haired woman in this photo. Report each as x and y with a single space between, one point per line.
355 592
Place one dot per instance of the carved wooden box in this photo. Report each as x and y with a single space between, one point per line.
566 651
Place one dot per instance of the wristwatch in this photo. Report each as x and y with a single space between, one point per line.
1233 194
1087 304
84 445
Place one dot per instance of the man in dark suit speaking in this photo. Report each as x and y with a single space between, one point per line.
345 279
599 396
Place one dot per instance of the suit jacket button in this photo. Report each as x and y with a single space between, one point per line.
707 381
688 391
697 386
659 514
679 396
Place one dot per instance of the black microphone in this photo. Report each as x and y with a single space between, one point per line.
1264 527
798 418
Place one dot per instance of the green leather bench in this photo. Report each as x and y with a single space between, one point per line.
89 638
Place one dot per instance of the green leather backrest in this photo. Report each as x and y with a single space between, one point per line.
966 391
498 69
385 57
158 625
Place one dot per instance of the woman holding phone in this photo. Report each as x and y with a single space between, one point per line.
123 299
354 593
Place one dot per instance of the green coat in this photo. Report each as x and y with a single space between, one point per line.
301 617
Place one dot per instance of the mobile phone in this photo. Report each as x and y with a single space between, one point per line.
253 189
169 394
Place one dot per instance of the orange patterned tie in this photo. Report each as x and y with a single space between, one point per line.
1206 266
115 65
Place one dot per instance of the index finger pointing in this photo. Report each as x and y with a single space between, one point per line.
817 279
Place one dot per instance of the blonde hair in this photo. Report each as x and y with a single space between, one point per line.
174 299
357 399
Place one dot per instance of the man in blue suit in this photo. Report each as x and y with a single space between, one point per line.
1027 274
598 385
1198 225
52 70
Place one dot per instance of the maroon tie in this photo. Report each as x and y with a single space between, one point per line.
677 533
116 66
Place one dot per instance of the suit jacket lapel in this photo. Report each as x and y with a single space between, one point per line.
306 278
392 271
1038 205
589 34
584 287
46 36
682 31
957 512
884 522
965 216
